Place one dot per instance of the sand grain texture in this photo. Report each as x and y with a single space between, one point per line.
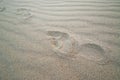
59 40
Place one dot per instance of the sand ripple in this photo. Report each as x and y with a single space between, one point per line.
59 40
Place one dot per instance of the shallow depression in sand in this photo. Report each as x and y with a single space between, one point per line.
66 44
23 13
93 52
63 43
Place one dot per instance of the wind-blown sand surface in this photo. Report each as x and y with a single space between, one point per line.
59 40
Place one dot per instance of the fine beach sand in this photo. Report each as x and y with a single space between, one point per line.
59 40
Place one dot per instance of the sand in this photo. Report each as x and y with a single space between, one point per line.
59 40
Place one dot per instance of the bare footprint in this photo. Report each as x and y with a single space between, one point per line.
63 43
23 13
66 44
93 52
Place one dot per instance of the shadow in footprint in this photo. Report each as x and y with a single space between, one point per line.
58 35
93 52
63 43
2 8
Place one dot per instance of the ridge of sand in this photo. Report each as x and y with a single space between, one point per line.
59 40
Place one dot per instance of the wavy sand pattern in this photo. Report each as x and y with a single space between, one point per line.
59 40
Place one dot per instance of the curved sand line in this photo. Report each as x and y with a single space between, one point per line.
2 8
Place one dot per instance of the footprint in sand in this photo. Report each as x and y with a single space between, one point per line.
23 13
63 43
93 52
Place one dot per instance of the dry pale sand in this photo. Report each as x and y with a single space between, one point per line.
59 39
